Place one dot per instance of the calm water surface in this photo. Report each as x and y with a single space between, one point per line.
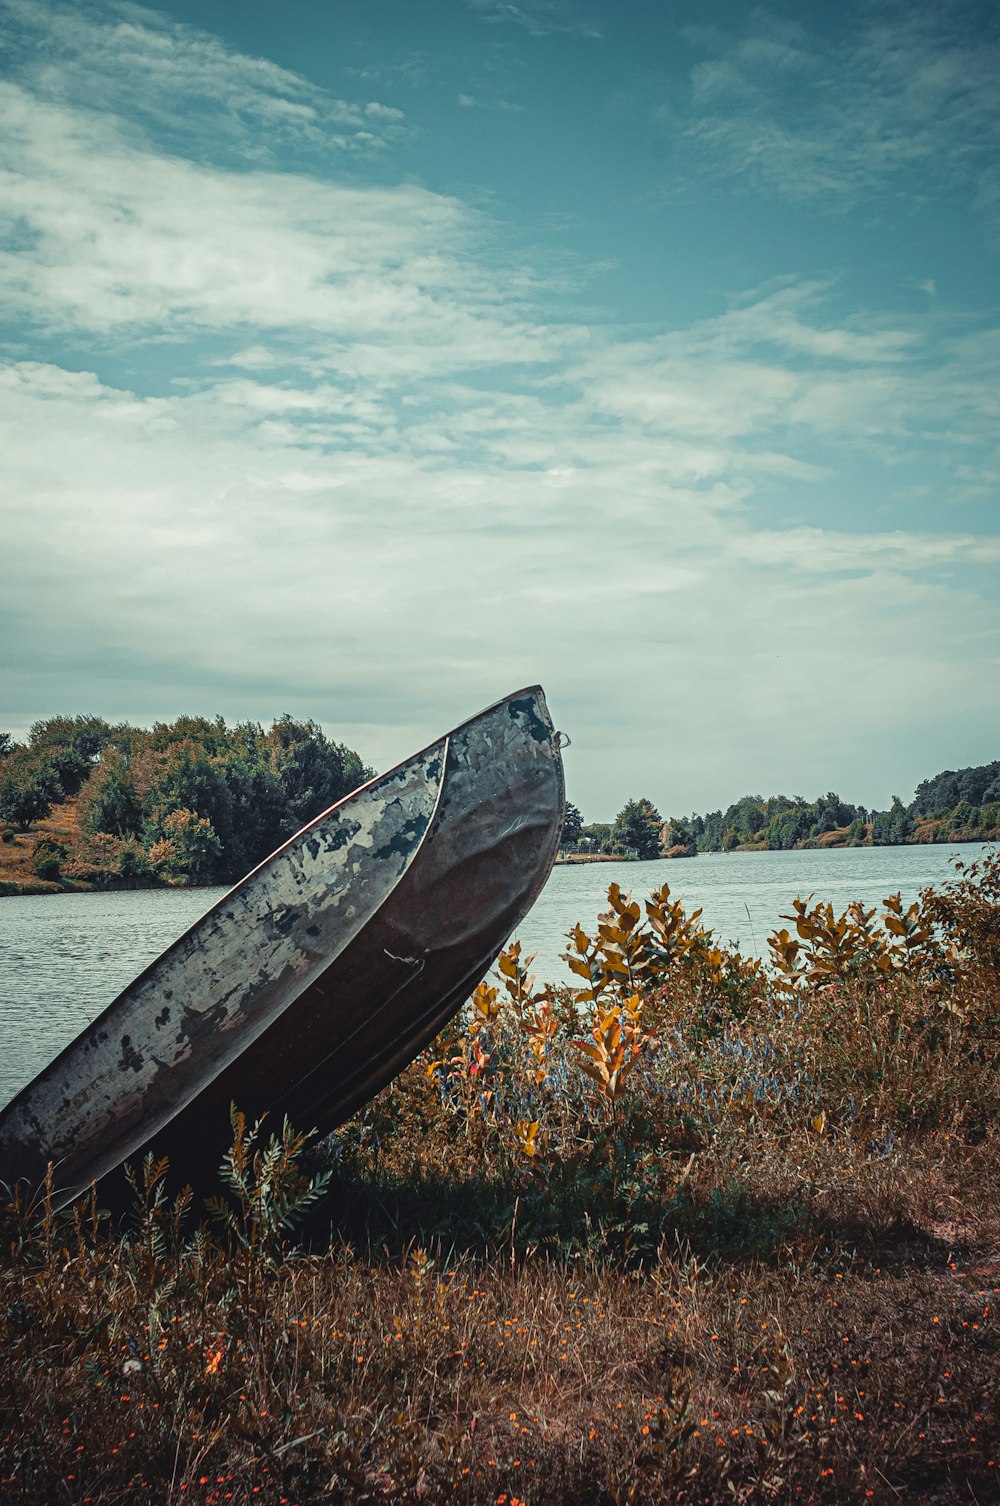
63 957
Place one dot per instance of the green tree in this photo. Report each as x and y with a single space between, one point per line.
110 803
313 771
260 819
965 817
596 835
46 858
134 870
829 813
679 834
891 827
27 790
69 745
186 778
990 820
747 817
712 832
213 737
788 827
637 828
572 825
195 848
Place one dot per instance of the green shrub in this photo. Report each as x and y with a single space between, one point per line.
26 795
134 868
46 859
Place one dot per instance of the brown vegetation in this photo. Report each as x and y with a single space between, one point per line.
687 1231
17 854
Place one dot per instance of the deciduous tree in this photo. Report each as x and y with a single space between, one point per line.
572 825
637 827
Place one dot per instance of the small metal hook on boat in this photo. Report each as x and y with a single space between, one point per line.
561 740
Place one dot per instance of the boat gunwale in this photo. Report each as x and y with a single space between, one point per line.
21 1100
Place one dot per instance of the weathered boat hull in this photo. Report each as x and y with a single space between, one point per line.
320 975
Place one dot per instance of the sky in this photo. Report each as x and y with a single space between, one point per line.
371 359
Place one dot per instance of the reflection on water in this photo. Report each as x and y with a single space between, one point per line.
64 957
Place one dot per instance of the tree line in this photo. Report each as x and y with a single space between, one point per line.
955 806
189 801
197 801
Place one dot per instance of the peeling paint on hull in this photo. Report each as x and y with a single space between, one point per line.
321 974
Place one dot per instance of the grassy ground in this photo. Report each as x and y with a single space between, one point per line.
17 852
685 1231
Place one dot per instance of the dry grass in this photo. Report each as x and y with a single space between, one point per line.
17 874
350 1379
744 1247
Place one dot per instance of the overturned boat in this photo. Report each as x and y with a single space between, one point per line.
321 974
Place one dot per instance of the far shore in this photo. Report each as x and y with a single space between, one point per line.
14 882
592 857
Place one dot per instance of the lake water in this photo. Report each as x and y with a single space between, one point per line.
63 957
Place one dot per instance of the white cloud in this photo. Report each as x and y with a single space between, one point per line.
825 551
135 61
206 531
363 468
539 17
121 236
832 117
